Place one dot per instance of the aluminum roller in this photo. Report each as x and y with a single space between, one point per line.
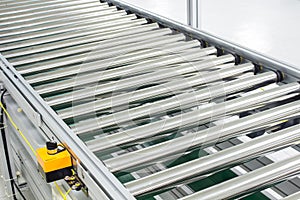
128 82
29 6
58 26
123 71
113 25
8 4
79 18
131 58
183 101
26 22
79 40
16 10
190 118
40 18
295 196
249 181
44 12
95 64
106 53
144 94
179 70
73 34
221 159
138 39
217 133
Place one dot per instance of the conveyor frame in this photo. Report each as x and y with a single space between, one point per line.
98 179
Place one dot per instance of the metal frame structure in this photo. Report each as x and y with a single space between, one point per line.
101 182
227 46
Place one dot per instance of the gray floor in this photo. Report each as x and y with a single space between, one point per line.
270 27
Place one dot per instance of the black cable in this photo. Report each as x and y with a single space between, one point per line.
5 146
22 195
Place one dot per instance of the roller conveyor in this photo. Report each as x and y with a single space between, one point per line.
146 108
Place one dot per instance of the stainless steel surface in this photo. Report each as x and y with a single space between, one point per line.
73 27
140 95
129 58
211 135
87 18
182 101
218 160
249 181
138 38
132 69
81 40
189 119
85 31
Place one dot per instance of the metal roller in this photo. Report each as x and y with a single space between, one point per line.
20 22
124 71
74 34
182 101
130 58
218 160
229 129
143 94
95 55
40 5
249 181
27 22
79 18
138 38
190 118
164 73
43 12
79 40
72 27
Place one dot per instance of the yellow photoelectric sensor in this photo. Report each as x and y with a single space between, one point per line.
54 162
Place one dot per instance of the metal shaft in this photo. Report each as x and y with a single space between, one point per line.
46 11
41 5
217 133
81 40
73 34
182 101
190 118
86 18
249 181
138 38
144 94
72 14
215 161
101 54
123 71
131 82
108 25
131 58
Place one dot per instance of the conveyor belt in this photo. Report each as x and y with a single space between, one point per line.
152 102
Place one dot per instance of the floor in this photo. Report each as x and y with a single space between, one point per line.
270 27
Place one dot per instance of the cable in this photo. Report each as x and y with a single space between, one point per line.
5 146
3 110
22 195
61 192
